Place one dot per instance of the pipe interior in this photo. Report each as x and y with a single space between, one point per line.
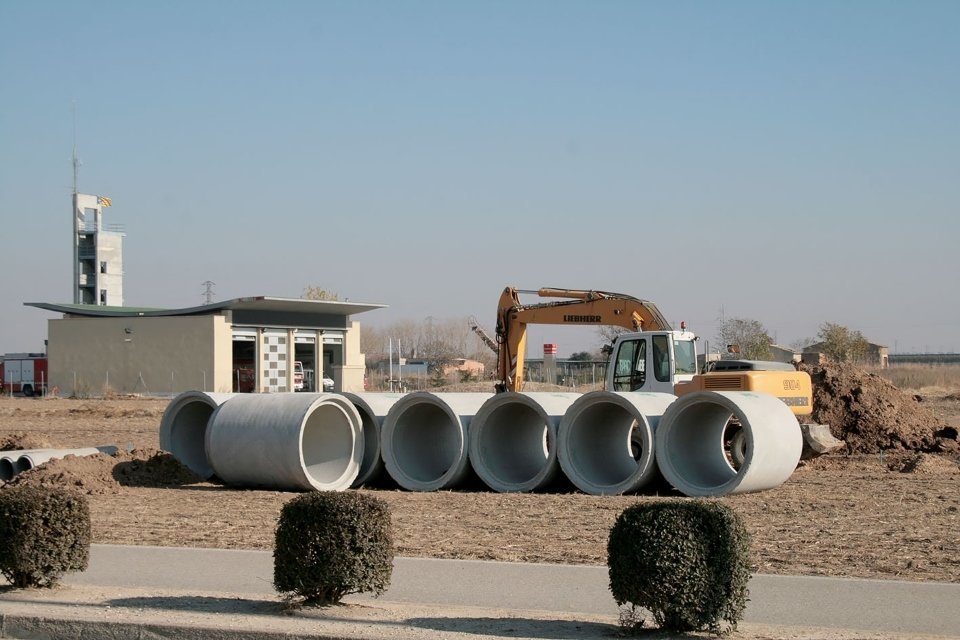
426 442
327 443
6 469
695 445
513 444
22 464
599 444
187 434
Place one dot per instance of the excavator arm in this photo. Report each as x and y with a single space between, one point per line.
577 308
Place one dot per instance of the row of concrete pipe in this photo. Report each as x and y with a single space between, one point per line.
603 443
12 463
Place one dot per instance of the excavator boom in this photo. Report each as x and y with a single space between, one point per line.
579 307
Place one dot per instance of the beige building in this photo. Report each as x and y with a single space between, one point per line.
875 355
257 344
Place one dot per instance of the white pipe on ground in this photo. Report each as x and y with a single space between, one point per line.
286 441
513 439
34 458
424 439
690 447
7 468
183 428
373 409
606 440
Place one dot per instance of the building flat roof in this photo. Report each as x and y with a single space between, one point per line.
254 303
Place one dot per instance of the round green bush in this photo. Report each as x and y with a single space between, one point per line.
687 562
330 544
44 533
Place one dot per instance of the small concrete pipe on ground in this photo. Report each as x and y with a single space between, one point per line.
690 443
606 440
424 441
286 441
183 428
30 459
7 468
373 409
513 440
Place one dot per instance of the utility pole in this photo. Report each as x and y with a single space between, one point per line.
208 292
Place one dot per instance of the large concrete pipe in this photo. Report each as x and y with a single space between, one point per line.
183 428
424 439
373 408
33 458
690 443
606 442
513 439
286 441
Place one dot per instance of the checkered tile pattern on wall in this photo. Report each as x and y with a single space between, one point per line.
275 362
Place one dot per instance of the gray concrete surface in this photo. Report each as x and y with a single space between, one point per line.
196 587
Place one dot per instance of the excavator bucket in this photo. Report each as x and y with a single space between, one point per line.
817 440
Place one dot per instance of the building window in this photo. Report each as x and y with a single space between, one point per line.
103 296
103 267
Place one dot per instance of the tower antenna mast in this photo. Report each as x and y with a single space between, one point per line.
76 160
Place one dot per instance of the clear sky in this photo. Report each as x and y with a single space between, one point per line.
790 162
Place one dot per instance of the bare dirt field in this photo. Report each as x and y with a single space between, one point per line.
888 509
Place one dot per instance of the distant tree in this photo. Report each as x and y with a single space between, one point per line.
581 356
842 344
312 292
802 344
749 336
608 334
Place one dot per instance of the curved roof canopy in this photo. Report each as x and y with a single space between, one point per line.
253 304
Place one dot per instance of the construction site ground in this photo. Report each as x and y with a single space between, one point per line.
889 509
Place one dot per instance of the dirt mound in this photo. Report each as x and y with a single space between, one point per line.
104 474
872 415
23 440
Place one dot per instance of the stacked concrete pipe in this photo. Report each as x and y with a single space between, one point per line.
513 440
424 441
373 409
606 440
183 428
690 443
290 441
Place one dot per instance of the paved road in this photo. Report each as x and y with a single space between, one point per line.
870 605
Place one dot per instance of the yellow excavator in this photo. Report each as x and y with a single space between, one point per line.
651 356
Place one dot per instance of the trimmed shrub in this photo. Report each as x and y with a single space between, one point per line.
330 544
44 533
687 562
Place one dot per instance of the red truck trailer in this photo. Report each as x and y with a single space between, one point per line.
24 373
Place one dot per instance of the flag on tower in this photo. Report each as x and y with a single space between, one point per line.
104 201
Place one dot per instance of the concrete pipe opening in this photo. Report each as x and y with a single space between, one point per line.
295 441
183 428
424 439
373 409
606 440
6 469
691 443
513 439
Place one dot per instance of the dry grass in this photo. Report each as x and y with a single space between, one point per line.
926 379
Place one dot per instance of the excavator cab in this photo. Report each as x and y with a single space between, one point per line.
652 361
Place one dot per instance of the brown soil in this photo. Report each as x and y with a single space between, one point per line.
891 513
871 415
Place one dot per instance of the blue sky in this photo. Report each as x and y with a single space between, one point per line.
790 162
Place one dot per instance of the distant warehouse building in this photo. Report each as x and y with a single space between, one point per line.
257 344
